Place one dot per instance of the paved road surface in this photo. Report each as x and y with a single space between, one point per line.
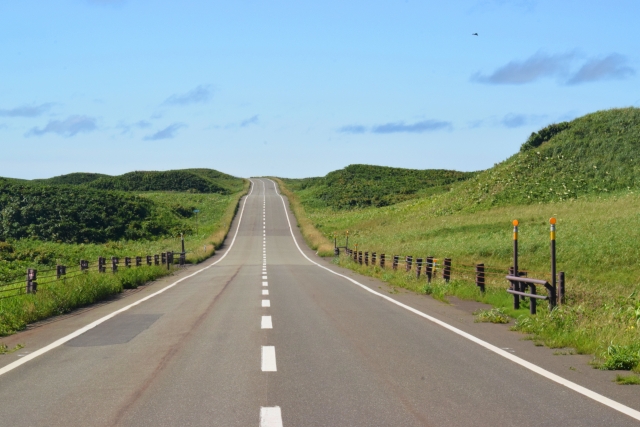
266 337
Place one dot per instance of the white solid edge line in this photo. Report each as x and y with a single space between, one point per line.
528 365
270 416
269 359
266 323
59 342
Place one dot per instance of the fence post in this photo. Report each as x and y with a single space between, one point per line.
552 239
480 277
59 272
169 260
101 265
561 289
149 260
355 255
373 258
394 265
418 267
138 261
366 258
114 264
127 262
156 259
381 260
360 257
446 270
32 276
532 301
429 269
408 260
516 285
164 258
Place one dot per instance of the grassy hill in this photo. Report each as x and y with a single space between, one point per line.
358 186
584 173
183 180
595 154
76 178
175 180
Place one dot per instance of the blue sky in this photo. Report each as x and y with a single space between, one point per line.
298 89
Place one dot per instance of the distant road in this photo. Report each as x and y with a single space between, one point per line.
266 337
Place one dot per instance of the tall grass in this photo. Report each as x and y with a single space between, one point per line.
314 238
64 295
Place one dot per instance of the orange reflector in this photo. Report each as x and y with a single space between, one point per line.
552 220
515 222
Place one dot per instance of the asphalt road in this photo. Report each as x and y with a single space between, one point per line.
266 337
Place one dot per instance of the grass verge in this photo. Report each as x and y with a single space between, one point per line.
64 295
314 238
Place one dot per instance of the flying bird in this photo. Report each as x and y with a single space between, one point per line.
474 34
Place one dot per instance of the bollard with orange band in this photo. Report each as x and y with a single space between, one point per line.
516 285
552 236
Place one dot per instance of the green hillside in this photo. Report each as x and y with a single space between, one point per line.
175 180
74 214
75 178
595 154
358 186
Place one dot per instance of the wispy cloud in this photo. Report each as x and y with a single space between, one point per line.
561 66
520 72
69 127
610 67
26 110
250 121
198 95
418 127
398 127
352 129
166 133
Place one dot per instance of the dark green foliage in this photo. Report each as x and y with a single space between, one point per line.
178 180
76 178
543 135
359 186
74 215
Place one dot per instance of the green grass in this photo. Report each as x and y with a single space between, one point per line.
64 295
494 315
584 175
627 379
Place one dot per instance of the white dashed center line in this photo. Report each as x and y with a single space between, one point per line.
265 292
266 303
265 283
264 278
270 417
268 358
266 323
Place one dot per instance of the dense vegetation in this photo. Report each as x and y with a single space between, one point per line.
74 215
177 180
184 180
75 178
585 174
359 186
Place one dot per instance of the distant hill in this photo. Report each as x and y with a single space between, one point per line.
75 178
594 154
359 186
177 180
184 180
73 214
